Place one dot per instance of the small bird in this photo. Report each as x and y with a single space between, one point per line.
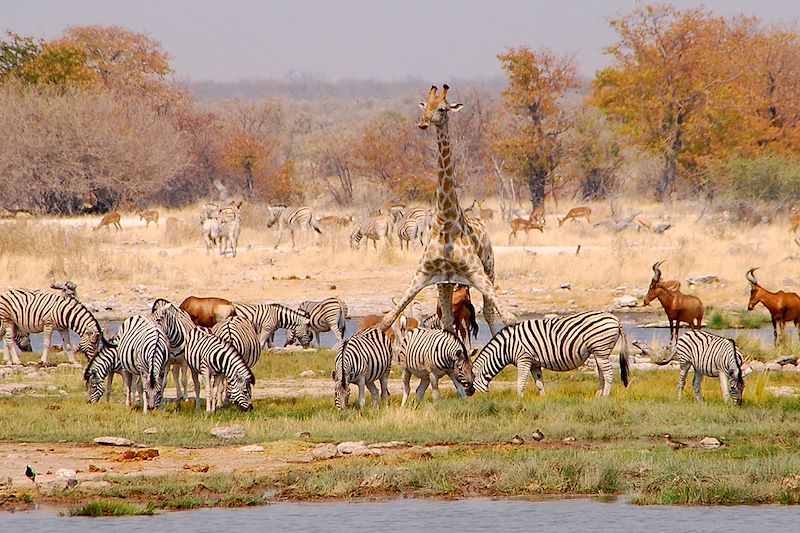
30 473
537 435
672 443
517 440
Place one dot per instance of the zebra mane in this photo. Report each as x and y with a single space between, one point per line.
457 338
344 348
159 303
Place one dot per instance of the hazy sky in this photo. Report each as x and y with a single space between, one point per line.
388 40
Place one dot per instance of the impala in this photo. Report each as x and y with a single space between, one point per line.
576 213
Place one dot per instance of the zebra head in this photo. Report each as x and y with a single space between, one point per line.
240 391
95 384
480 380
463 369
299 334
736 377
153 392
90 343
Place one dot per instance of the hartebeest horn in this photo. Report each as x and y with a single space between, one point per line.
657 271
750 277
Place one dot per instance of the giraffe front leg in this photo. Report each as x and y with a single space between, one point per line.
446 305
481 281
419 282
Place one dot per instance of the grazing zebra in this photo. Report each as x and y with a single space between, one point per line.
362 359
215 359
267 318
429 354
176 325
560 344
42 312
300 218
143 354
374 229
413 226
326 315
241 334
709 355
99 373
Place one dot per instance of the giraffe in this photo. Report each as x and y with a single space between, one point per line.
458 249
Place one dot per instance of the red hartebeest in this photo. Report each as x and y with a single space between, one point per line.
783 306
464 314
207 311
678 306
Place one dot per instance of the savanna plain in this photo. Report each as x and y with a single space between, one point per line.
454 448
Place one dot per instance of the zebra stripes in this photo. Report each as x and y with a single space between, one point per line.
143 353
241 334
709 355
326 315
267 318
413 226
300 218
374 229
99 373
560 344
38 311
362 359
176 325
214 359
430 354
221 227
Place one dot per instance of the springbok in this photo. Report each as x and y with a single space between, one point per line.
678 306
783 306
149 216
109 219
576 213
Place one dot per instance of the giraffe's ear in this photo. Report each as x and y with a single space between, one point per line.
422 105
456 107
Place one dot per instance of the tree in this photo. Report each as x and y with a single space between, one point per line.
671 72
537 84
332 162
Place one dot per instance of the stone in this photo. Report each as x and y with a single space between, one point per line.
150 431
308 374
65 472
367 452
782 392
775 367
710 443
568 440
6 483
626 301
113 441
391 444
565 286
325 450
95 484
757 366
251 448
228 432
347 447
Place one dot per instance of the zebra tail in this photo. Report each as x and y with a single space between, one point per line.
315 226
472 321
623 357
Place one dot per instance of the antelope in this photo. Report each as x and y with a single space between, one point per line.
477 209
207 311
576 213
334 221
783 306
678 306
109 219
521 224
463 314
401 325
149 216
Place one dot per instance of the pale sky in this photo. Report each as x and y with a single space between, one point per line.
343 39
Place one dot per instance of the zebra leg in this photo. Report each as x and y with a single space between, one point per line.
537 377
361 393
47 337
291 233
280 234
523 369
424 381
110 381
210 396
373 393
196 381
67 343
435 387
11 354
140 388
406 387
446 305
384 381
127 378
724 383
457 384
682 379
605 373
176 372
698 381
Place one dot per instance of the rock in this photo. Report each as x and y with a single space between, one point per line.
228 432
95 484
710 443
48 488
782 392
113 441
6 483
325 450
251 448
308 374
790 360
565 286
757 366
568 440
626 301
150 431
367 452
383 445
789 368
773 366
348 447
65 472
703 280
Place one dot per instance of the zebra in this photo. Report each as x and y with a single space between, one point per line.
143 353
374 229
560 344
267 318
326 315
241 334
709 355
176 325
413 226
362 359
212 233
37 311
213 358
430 354
230 224
300 218
99 373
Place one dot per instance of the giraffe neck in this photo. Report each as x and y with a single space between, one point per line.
446 198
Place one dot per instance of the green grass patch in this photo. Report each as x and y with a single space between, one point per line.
110 508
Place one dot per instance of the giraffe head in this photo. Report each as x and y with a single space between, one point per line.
434 111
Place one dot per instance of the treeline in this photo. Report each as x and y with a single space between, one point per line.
692 105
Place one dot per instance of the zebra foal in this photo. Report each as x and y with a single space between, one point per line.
362 359
709 355
214 359
329 314
560 344
300 218
373 229
430 354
